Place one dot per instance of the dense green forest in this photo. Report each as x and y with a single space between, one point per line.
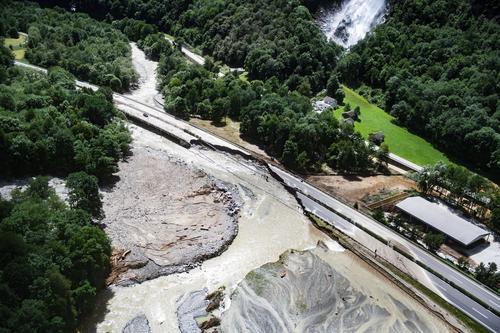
271 115
47 126
436 64
93 51
269 38
53 259
431 64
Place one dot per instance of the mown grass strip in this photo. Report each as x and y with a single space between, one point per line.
401 142
17 46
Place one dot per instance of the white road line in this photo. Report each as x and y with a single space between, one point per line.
473 308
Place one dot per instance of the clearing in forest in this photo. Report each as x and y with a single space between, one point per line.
17 46
401 142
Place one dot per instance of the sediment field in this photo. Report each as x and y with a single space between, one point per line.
164 188
301 292
165 216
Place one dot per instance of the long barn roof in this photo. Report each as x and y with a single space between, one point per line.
442 219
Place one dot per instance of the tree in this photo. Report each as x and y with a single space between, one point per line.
332 86
53 262
488 275
382 155
433 241
378 215
463 263
12 33
220 109
290 153
495 210
39 187
84 193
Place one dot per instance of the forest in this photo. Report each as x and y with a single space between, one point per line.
47 126
54 257
436 64
432 64
91 50
280 120
269 38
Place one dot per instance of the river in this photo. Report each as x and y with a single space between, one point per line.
271 222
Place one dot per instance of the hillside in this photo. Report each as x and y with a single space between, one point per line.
437 64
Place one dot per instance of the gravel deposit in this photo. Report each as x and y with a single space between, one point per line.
164 216
303 293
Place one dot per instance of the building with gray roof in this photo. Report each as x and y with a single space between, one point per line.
442 220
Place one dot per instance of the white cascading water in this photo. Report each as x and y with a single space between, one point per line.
352 21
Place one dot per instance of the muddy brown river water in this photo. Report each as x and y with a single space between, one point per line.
270 223
323 289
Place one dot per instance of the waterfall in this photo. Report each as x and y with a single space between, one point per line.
350 22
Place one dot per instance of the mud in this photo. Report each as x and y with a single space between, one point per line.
164 216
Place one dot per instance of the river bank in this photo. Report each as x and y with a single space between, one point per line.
270 222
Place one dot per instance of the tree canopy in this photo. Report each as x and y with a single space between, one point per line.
49 127
53 261
91 50
437 63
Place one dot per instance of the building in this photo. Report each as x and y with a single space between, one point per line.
443 220
322 105
330 101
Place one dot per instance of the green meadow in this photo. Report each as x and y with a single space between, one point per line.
400 141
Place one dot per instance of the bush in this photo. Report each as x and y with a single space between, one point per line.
433 241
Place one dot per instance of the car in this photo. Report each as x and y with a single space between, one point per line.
145 114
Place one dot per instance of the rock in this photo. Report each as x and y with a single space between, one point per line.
137 264
215 299
349 121
139 324
189 307
330 101
207 322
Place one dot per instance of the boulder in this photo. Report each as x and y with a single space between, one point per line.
350 114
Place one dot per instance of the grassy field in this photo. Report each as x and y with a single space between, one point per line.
17 45
400 141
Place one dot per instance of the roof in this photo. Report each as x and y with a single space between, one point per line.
330 101
442 219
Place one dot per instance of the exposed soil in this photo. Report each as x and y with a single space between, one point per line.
230 132
164 216
356 188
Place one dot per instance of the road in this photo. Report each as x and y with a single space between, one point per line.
325 206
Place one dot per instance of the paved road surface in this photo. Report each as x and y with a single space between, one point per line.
319 206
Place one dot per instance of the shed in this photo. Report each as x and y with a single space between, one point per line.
376 137
443 220
330 101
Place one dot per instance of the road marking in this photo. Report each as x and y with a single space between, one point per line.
473 308
458 281
495 303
